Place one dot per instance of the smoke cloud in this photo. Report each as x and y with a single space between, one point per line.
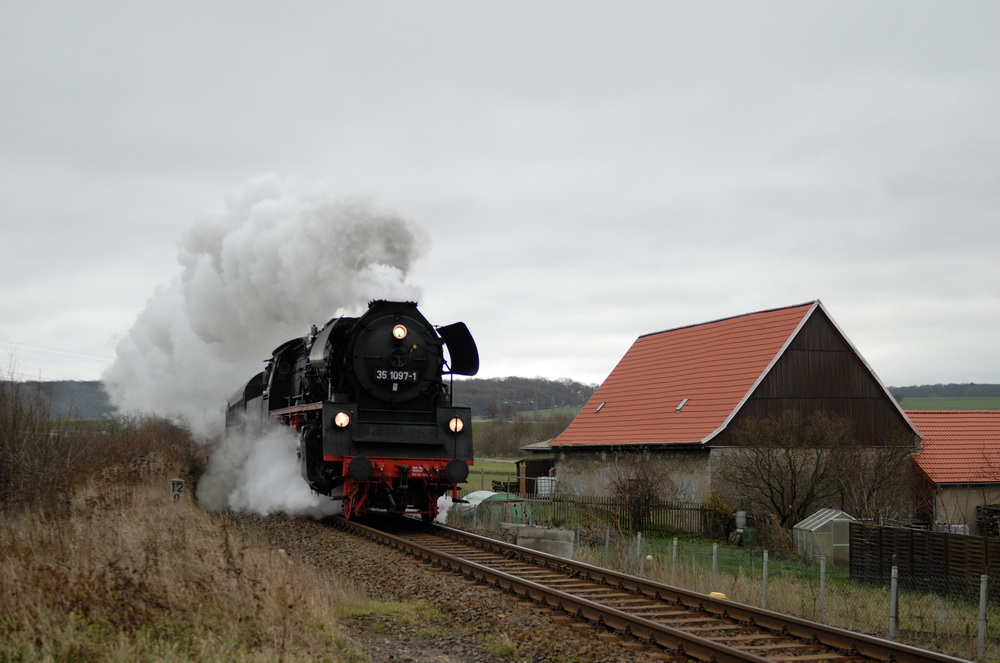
280 256
261 476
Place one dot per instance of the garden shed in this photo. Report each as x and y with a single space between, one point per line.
488 507
825 533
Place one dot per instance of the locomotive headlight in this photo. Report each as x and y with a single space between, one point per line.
342 420
399 332
456 425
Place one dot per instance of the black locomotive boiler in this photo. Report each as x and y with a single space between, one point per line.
370 400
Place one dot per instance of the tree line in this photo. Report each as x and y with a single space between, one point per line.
952 390
503 397
42 458
486 396
64 399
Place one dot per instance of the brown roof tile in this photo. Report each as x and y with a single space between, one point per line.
714 365
960 446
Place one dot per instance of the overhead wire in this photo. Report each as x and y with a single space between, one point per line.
43 353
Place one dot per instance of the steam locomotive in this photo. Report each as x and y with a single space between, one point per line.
369 401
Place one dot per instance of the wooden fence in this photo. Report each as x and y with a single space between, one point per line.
664 517
935 561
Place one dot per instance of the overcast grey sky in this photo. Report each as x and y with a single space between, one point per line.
570 174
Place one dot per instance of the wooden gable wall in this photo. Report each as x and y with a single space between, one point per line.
820 371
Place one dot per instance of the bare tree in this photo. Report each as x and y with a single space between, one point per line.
875 482
640 484
28 457
787 465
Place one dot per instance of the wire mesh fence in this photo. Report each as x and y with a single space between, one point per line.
812 589
956 613
953 622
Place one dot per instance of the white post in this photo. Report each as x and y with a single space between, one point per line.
607 545
983 594
673 561
638 550
715 565
763 583
894 603
822 588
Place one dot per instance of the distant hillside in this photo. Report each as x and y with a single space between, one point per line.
487 397
968 396
970 390
492 396
89 400
65 399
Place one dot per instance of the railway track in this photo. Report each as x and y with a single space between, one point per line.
697 626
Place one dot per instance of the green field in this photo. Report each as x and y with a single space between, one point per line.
534 415
495 466
946 403
483 473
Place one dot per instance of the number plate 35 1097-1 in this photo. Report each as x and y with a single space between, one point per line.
396 375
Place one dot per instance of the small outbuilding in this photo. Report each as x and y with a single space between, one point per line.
826 533
536 474
960 469
490 507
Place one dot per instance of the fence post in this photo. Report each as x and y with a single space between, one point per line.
715 565
894 603
983 595
763 582
638 550
822 588
673 561
607 545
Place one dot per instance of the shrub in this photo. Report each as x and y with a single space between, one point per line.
42 460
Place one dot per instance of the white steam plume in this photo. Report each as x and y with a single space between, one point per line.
282 255
261 476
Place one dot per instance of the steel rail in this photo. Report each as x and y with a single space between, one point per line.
682 642
863 644
850 643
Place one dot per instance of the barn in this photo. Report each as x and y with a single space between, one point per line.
677 395
959 463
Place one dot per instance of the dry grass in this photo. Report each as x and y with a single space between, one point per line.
123 574
98 564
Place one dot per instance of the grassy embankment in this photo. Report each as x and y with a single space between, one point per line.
120 573
97 563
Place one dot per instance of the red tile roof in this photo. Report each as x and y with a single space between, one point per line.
960 446
714 365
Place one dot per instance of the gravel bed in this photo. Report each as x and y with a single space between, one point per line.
465 621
